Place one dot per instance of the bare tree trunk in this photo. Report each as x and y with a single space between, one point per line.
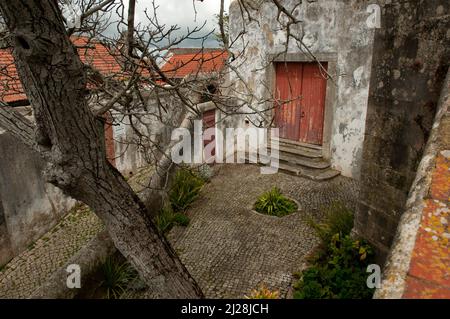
55 83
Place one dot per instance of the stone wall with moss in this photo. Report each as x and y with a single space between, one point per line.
410 61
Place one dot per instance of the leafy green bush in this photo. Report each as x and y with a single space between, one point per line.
116 277
275 204
339 265
185 190
342 276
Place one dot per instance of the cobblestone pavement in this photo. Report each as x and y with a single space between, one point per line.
27 271
231 250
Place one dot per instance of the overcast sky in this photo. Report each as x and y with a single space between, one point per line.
181 13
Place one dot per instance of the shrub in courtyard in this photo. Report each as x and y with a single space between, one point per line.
185 190
166 219
275 204
181 219
117 275
338 266
263 293
338 219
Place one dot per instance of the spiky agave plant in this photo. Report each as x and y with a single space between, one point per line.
275 204
116 277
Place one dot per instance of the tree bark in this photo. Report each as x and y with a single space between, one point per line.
55 83
130 30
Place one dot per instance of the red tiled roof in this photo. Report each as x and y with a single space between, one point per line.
9 79
91 52
179 65
97 55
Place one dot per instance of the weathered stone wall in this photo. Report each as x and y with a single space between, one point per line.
29 207
334 30
410 61
5 244
418 263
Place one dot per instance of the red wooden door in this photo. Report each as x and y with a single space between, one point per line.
304 85
288 92
312 104
209 120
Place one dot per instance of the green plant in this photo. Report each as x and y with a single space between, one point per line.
116 277
185 190
275 204
181 219
338 219
263 293
166 219
338 267
342 276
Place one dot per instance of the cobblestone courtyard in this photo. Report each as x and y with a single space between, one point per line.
229 249
27 271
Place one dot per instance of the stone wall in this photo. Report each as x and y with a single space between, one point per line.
418 263
336 32
410 61
29 207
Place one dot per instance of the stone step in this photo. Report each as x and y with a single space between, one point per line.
317 175
300 151
286 142
319 172
315 163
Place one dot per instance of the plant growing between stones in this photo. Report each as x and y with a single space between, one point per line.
338 219
275 204
185 190
117 276
167 218
263 293
338 266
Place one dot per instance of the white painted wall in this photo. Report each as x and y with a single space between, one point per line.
330 26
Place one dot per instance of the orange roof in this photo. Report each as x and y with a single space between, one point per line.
91 52
179 65
9 79
97 55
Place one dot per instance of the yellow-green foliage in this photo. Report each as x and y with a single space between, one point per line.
263 293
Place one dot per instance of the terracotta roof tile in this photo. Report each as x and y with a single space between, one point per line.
179 65
91 52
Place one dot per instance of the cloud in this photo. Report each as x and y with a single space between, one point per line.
183 14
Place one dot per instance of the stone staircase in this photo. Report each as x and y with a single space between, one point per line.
303 160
